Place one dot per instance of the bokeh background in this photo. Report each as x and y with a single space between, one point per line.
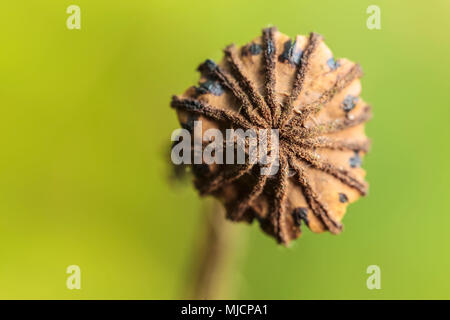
85 122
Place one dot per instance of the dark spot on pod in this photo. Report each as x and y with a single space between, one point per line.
285 55
296 56
349 103
300 214
210 65
195 105
253 48
270 48
189 125
200 170
343 197
290 53
355 161
333 64
207 67
210 86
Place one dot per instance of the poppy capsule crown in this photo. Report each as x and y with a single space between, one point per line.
297 87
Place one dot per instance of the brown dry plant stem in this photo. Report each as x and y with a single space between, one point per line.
217 256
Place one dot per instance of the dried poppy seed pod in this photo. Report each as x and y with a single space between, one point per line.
313 100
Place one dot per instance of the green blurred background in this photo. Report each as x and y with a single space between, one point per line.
85 120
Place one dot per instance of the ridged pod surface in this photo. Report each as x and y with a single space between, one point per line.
297 87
